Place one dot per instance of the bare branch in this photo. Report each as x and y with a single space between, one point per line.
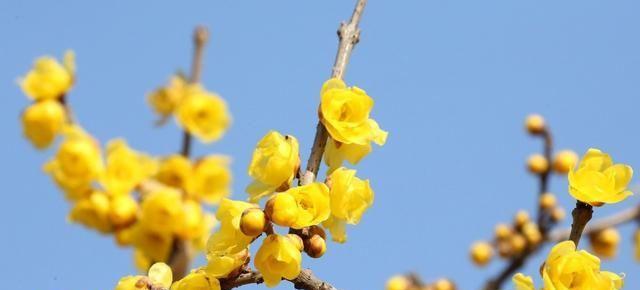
616 219
306 281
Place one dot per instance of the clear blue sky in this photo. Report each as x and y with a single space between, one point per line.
452 80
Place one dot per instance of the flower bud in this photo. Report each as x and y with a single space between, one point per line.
558 214
502 231
297 240
398 282
564 161
537 164
481 253
317 230
548 201
532 233
252 222
535 124
444 284
517 244
315 246
282 209
605 242
521 218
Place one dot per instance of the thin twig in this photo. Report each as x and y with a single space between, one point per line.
306 280
348 35
581 214
180 257
614 220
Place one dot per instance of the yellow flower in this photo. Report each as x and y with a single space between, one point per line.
49 79
301 206
227 248
204 115
273 165
152 245
345 112
42 122
398 282
162 211
596 180
523 282
197 280
92 212
210 180
278 258
174 171
76 164
125 168
338 229
336 153
350 195
567 268
192 219
123 210
128 283
165 100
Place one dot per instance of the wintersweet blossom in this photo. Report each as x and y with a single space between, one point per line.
210 179
278 258
273 165
596 180
49 79
197 280
300 206
125 168
42 122
203 114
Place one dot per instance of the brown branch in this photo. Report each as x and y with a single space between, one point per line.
348 35
306 280
544 221
581 214
180 256
616 219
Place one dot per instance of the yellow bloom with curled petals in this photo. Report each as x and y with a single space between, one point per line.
274 163
567 268
165 100
350 195
49 79
278 258
210 180
336 153
125 168
197 280
150 245
162 211
42 122
77 164
92 212
123 210
337 227
174 171
203 114
596 180
192 218
128 283
301 206
227 248
344 111
523 282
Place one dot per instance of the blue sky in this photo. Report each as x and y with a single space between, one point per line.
452 81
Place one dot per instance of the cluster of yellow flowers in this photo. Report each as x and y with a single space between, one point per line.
160 276
402 282
102 184
306 210
47 84
595 181
198 111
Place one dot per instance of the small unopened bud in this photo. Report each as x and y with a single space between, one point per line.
502 231
481 253
605 242
315 246
537 164
564 161
297 240
444 284
517 243
532 233
535 124
252 222
558 214
282 209
548 201
521 218
316 230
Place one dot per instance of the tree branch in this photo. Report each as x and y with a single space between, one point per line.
616 219
306 281
349 36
